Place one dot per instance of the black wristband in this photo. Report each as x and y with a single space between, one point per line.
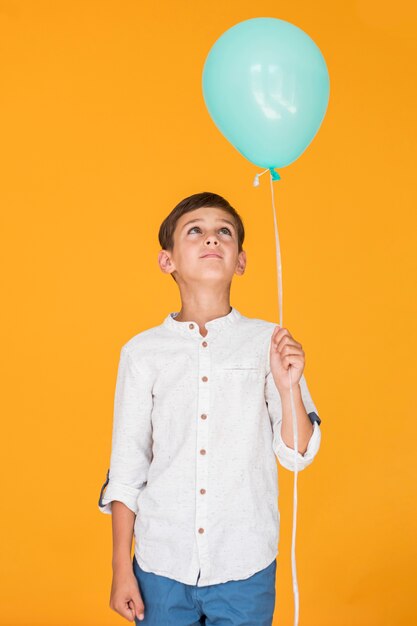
314 418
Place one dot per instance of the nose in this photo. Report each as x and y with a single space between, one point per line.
212 239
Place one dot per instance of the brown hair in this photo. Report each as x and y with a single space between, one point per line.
196 201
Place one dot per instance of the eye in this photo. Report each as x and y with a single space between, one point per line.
223 228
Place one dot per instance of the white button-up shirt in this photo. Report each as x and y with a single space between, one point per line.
196 434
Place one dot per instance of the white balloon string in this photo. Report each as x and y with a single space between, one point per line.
294 415
256 179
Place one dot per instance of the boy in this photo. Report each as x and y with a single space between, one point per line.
202 410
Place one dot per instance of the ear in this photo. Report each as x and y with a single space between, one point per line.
241 263
165 262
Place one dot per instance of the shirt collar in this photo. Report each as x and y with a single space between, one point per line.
190 328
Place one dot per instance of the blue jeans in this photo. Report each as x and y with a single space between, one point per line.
168 602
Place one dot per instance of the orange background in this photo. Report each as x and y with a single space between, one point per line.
103 130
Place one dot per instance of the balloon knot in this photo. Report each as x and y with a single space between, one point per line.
274 174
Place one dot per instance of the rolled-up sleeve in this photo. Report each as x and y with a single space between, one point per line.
131 452
284 453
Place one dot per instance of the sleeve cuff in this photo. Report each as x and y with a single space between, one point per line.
285 454
116 491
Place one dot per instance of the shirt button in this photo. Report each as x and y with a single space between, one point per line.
201 530
205 379
203 416
204 344
190 325
202 491
202 451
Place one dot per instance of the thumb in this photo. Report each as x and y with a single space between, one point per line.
130 611
275 333
138 606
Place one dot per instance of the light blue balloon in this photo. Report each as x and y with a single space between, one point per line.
266 86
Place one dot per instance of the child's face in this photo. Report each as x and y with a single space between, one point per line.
211 230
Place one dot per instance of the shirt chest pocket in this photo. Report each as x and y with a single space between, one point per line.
239 379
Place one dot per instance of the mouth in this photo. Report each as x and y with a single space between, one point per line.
209 256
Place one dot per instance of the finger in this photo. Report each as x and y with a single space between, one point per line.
291 359
290 348
280 332
275 333
139 608
137 601
288 338
125 611
131 609
283 346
